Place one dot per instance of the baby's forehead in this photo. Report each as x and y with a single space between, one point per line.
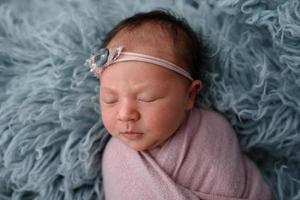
136 73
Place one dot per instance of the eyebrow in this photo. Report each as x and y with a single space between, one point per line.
137 88
108 89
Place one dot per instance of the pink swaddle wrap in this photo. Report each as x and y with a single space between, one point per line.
202 160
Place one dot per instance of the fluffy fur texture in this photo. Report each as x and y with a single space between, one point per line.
51 134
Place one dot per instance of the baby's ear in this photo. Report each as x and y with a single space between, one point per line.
193 90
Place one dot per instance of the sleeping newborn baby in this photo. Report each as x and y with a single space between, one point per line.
163 147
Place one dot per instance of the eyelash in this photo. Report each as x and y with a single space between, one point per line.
141 100
147 101
109 102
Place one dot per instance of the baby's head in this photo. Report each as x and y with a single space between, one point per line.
143 97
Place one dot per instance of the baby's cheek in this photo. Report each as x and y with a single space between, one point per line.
108 121
161 125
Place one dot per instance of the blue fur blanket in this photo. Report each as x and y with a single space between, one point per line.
51 134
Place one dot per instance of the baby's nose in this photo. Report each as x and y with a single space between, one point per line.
127 112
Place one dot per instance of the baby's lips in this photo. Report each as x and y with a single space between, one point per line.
132 136
131 132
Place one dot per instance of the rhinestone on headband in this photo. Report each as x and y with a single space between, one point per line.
97 62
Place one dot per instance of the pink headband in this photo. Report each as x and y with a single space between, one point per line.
105 57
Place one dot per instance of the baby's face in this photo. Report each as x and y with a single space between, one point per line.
142 104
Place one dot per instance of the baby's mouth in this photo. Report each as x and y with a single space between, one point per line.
132 135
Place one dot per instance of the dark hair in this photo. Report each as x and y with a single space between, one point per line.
191 47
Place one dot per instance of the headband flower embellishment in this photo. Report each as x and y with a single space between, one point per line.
107 56
104 57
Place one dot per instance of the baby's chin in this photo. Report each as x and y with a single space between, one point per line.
140 145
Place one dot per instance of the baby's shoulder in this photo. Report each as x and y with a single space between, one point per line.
212 126
210 118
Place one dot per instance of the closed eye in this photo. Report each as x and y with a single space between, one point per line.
143 100
148 100
109 102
